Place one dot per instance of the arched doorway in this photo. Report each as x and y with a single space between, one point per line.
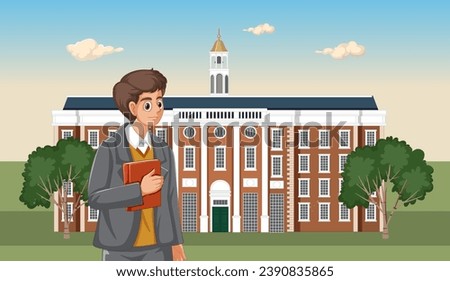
220 193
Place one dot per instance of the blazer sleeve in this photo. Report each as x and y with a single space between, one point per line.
173 199
102 195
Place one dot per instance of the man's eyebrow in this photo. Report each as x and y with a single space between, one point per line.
146 99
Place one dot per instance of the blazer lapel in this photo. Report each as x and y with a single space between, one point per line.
159 152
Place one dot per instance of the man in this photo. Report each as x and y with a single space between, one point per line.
148 234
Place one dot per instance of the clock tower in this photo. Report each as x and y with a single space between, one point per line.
218 68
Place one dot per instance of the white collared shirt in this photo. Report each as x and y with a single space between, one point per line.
136 141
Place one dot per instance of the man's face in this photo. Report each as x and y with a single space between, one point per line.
149 108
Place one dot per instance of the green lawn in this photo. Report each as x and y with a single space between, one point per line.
419 232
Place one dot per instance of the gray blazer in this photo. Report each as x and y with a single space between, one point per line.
116 227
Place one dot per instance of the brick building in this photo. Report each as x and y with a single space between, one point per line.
247 164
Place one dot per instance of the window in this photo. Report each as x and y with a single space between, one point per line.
344 139
370 213
276 138
324 138
324 211
342 161
303 163
324 163
189 132
219 158
189 210
93 138
112 132
220 202
162 134
341 181
324 187
250 132
373 194
92 214
370 137
276 166
250 158
67 134
303 136
250 212
276 215
220 132
68 188
303 211
344 212
189 157
303 187
69 212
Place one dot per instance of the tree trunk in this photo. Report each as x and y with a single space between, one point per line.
385 234
66 230
383 193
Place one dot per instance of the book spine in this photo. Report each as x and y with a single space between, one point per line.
126 174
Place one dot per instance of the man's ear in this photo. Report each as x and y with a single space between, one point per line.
133 108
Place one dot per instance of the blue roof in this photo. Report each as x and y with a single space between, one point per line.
272 103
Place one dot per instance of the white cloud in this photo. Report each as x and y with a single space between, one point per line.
89 49
261 29
344 50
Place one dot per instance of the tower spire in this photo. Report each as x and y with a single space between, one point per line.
218 34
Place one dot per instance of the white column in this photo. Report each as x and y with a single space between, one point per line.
355 219
354 141
82 217
175 149
204 179
236 179
55 213
264 180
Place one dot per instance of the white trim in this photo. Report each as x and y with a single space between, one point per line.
348 212
328 164
236 180
320 188
248 182
245 158
272 167
82 216
348 141
185 135
98 138
340 162
224 158
204 180
63 215
189 182
299 188
250 127
299 212
374 213
264 179
56 212
224 129
299 163
66 131
319 211
89 215
176 152
277 184
185 160
355 219
272 130
365 136
320 138
341 180
300 131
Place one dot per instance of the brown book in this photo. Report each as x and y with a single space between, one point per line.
134 172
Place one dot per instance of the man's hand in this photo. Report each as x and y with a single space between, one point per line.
178 253
151 183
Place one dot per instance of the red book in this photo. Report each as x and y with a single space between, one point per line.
134 172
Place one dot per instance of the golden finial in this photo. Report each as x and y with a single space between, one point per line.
218 34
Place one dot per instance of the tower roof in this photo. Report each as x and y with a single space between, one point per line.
219 46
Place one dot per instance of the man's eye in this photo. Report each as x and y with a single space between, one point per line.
160 104
147 106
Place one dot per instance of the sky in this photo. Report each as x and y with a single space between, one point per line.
405 62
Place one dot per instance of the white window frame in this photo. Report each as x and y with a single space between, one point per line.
373 194
320 162
300 145
374 213
185 158
340 162
340 213
224 168
320 209
299 211
299 163
341 180
272 130
246 168
89 214
111 131
300 187
66 131
348 140
63 214
220 128
69 191
164 130
98 138
320 138
248 128
186 136
374 137
281 166
320 188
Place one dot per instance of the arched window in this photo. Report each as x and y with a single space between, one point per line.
219 60
219 84
212 83
226 84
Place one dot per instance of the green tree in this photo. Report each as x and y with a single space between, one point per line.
50 170
369 168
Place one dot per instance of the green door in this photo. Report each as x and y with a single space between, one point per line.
220 219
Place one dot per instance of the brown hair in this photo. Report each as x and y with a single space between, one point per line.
133 84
